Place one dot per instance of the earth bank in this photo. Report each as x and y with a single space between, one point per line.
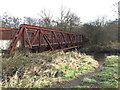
45 70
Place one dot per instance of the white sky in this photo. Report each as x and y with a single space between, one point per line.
87 10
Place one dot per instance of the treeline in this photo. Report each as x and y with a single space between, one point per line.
98 31
68 21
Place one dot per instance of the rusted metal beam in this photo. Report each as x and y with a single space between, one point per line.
40 36
63 49
39 42
28 40
57 39
47 40
46 29
34 38
14 42
7 29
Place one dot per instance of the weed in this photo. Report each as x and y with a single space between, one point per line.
81 86
110 83
112 61
87 80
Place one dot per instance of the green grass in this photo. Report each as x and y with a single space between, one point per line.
112 61
110 83
109 75
87 80
81 86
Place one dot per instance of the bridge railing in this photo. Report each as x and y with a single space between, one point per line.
42 39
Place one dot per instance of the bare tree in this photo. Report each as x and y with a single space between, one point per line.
30 21
16 22
119 9
45 18
119 21
68 21
10 21
6 20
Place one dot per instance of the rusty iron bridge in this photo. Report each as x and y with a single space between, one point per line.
41 38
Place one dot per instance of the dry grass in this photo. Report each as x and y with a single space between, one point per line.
41 69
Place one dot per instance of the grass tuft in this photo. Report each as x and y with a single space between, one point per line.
81 86
87 80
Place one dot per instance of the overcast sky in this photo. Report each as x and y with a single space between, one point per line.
87 10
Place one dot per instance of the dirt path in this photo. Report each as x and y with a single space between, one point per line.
77 81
